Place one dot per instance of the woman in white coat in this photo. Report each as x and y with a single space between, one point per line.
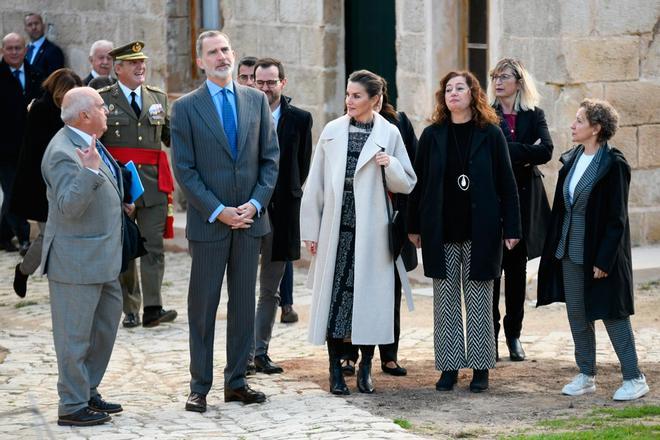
344 226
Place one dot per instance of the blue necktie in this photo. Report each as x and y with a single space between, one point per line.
105 159
17 75
229 124
28 55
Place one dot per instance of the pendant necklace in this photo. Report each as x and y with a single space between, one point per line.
463 180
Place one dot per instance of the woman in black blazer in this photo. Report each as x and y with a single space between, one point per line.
465 203
513 94
586 260
29 192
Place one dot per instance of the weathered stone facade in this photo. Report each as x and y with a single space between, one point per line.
75 24
597 48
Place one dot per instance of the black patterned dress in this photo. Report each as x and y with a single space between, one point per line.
341 305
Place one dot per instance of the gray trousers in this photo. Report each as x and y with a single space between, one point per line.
270 276
584 336
32 258
151 220
85 321
453 351
238 253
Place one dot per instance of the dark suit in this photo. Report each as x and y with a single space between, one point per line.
294 134
525 154
13 115
49 58
209 176
90 77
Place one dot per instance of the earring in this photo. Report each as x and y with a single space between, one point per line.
594 133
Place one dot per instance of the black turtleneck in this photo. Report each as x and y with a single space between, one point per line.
456 212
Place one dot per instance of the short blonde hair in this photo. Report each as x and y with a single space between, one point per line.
528 96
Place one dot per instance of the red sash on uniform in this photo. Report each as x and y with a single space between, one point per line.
147 156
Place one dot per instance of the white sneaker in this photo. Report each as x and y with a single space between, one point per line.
632 389
581 384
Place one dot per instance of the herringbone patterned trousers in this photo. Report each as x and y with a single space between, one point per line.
453 350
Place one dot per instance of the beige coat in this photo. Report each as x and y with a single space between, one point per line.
373 303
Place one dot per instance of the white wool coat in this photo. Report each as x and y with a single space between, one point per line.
320 214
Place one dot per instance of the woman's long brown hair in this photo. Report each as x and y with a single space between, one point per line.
482 113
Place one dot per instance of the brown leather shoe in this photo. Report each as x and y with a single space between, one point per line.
288 315
244 394
196 402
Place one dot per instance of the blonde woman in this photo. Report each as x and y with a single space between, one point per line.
513 94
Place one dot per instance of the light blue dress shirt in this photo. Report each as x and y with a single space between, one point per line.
36 46
21 75
216 95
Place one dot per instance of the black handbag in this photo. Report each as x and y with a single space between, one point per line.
394 223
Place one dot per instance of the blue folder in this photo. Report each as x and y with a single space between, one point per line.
137 189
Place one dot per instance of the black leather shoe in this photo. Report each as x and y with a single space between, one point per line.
131 320
152 319
97 404
196 402
516 352
479 381
8 246
264 364
396 371
347 367
337 382
83 417
250 370
20 282
244 394
447 380
364 382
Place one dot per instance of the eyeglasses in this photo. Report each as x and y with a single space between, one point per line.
270 83
244 77
503 77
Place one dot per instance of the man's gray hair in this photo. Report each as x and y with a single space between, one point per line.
79 100
209 34
99 43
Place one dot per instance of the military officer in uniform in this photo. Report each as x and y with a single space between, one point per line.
138 125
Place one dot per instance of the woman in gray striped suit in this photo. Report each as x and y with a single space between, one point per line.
586 259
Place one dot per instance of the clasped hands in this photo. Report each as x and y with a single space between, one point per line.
240 217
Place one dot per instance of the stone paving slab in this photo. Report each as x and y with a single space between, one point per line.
148 374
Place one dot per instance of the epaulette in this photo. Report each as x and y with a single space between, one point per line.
155 89
105 89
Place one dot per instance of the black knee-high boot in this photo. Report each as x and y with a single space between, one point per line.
337 383
364 382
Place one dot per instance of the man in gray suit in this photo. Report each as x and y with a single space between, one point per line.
82 255
225 154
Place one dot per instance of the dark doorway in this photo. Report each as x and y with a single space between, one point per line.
477 40
370 39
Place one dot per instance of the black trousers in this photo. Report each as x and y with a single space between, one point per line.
514 265
11 224
388 352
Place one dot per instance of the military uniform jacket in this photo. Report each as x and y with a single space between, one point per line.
126 130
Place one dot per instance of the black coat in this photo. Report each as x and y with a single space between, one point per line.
294 134
49 58
29 194
13 109
525 156
606 241
494 200
400 201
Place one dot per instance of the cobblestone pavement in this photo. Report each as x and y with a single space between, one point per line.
148 372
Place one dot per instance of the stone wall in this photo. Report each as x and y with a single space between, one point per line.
601 49
307 36
75 24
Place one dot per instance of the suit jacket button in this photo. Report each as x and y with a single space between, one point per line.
139 138
139 124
